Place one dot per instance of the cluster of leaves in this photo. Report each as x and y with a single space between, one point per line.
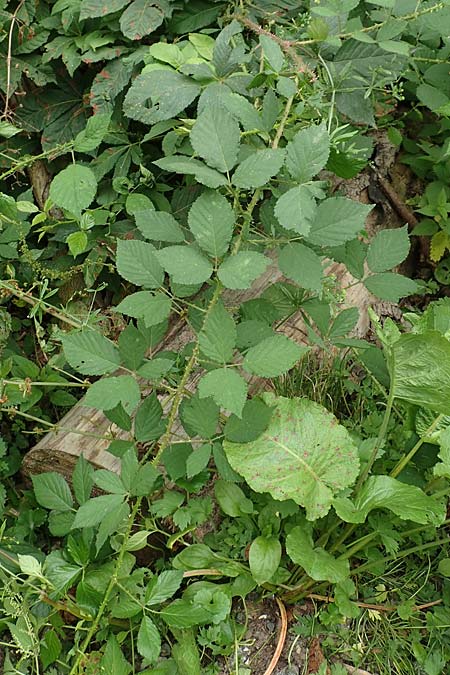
192 151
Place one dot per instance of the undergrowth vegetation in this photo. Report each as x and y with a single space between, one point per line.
170 168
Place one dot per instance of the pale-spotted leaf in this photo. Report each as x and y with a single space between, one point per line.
304 455
308 152
295 209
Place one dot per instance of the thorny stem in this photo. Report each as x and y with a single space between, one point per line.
49 309
280 129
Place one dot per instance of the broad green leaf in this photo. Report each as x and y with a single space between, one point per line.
8 130
256 417
74 188
239 271
303 455
203 174
308 152
211 220
185 264
140 18
215 136
107 393
159 226
52 492
217 338
302 265
198 460
185 651
94 510
199 416
420 370
337 220
408 502
77 242
111 522
264 557
50 648
94 133
183 614
137 262
442 468
388 249
159 95
137 203
390 286
60 573
113 661
148 424
317 563
259 168
90 353
132 347
82 479
273 356
272 52
152 307
148 640
144 481
109 482
231 499
226 387
29 565
90 9
295 210
155 369
162 587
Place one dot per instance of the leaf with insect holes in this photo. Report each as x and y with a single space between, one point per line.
90 353
304 455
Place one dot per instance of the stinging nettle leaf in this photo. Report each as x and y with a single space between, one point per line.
259 168
90 353
308 152
273 356
215 136
303 455
211 220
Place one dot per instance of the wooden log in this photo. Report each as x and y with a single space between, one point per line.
87 431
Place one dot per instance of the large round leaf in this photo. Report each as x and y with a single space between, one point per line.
304 455
74 188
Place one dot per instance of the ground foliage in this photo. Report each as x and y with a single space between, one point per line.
157 156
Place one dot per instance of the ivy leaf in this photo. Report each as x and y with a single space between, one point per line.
303 455
217 338
159 95
137 262
408 502
148 640
390 286
226 387
211 220
107 393
190 166
52 492
239 271
337 220
264 558
273 356
159 226
302 265
259 168
215 136
317 563
152 307
295 210
93 511
141 18
90 353
185 264
308 152
74 188
388 249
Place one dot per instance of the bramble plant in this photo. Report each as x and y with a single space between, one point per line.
193 148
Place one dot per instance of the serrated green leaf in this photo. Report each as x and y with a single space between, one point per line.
302 265
259 168
303 455
317 563
388 249
215 136
93 511
140 18
52 492
185 264
148 424
159 226
203 174
199 416
211 220
390 286
159 95
137 262
109 482
408 502
217 338
113 661
155 369
198 460
308 152
107 393
273 356
90 353
272 52
153 308
183 614
226 387
337 220
82 479
256 416
90 9
148 640
264 558
295 210
77 242
94 133
239 271
74 188
163 587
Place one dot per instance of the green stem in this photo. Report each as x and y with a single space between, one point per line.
402 554
379 442
407 458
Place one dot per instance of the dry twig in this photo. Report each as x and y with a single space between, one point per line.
281 639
